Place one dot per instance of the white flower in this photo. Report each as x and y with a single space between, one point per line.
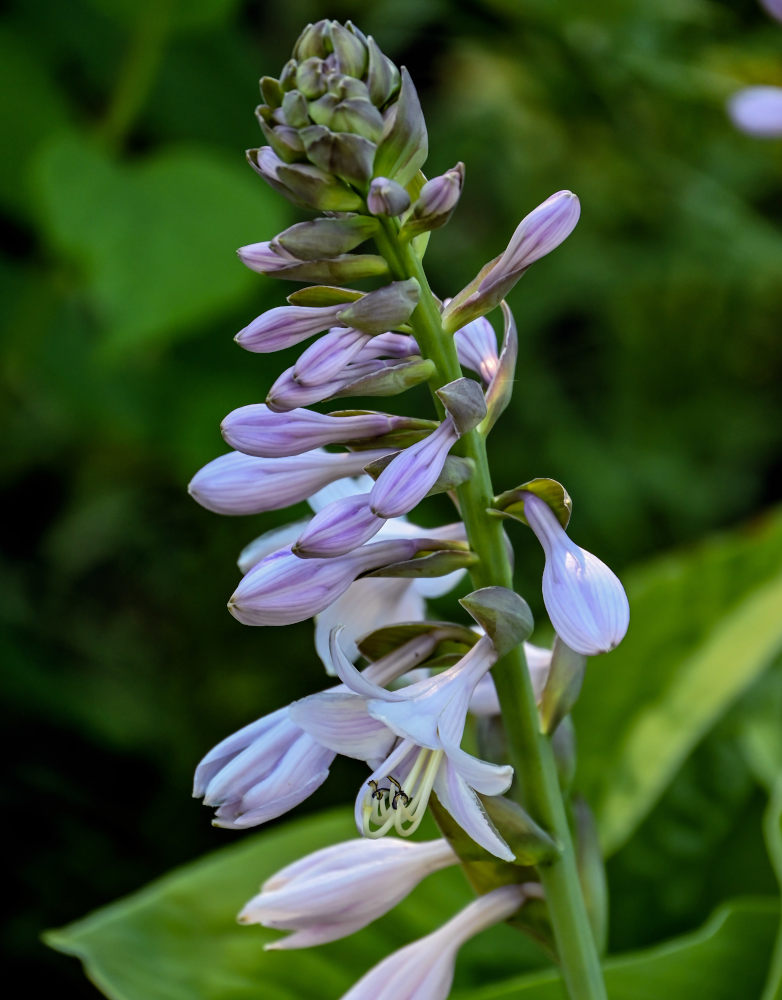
340 889
424 969
428 718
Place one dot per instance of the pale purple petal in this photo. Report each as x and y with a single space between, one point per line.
411 474
463 804
285 326
339 721
326 359
339 528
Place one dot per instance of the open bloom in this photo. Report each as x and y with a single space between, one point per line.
485 701
270 766
584 599
424 969
428 718
338 890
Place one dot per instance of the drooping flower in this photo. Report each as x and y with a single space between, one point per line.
424 970
268 767
282 588
338 890
428 717
584 599
485 701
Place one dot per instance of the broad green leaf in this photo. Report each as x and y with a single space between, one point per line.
155 241
178 938
724 960
704 624
773 832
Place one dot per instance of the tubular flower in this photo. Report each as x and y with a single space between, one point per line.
271 765
428 717
424 969
585 601
282 588
340 889
243 484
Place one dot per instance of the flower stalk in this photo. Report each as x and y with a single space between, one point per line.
530 751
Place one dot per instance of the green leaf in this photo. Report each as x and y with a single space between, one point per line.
773 832
724 960
178 938
704 624
156 241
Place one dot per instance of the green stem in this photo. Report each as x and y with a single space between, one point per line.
529 750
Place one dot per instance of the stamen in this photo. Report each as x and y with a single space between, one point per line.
404 810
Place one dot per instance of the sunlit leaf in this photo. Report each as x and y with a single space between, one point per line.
704 624
178 939
724 960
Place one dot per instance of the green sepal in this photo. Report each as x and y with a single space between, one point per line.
390 381
439 563
294 109
349 50
288 75
321 238
345 268
502 614
386 640
404 147
310 78
484 872
511 503
284 140
464 401
359 116
382 74
339 153
313 188
455 471
528 841
323 295
563 685
271 91
384 309
500 389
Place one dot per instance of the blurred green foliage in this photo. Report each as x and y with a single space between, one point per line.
649 367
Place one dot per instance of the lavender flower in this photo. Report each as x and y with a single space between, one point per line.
428 717
243 484
424 969
268 767
476 346
282 588
285 326
324 896
537 234
257 430
585 601
261 772
339 528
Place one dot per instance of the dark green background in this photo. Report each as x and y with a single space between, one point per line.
647 380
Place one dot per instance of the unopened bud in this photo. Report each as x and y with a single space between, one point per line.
437 200
386 197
